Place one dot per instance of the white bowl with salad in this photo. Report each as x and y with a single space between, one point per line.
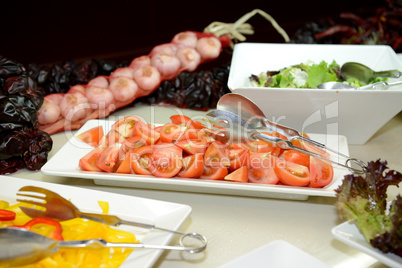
290 97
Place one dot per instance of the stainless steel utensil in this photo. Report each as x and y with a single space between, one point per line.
226 126
255 118
364 73
21 247
57 207
340 85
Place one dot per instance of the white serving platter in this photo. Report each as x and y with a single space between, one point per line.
349 234
65 163
356 114
277 254
162 214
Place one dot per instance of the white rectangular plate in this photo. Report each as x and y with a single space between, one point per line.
349 234
162 214
65 163
276 255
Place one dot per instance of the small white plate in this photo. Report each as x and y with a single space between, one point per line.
65 163
277 254
349 234
162 214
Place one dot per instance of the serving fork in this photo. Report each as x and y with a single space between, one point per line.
59 208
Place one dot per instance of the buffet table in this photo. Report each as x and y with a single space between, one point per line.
236 225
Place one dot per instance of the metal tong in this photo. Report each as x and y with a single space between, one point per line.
57 207
226 126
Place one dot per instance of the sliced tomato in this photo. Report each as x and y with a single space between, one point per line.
172 132
124 165
217 155
203 135
147 132
196 146
239 156
214 173
193 166
92 136
126 125
113 137
309 147
296 157
108 158
293 174
239 175
185 120
262 175
261 160
133 143
166 160
140 160
321 172
258 146
88 162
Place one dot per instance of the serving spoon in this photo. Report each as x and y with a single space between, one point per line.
340 85
364 73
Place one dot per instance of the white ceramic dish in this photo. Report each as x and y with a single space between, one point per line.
163 214
277 254
65 163
349 234
358 115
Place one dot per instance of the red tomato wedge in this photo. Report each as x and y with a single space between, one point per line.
108 158
133 143
262 175
239 156
166 160
172 132
296 157
140 160
217 155
196 146
185 120
321 172
88 162
293 174
124 166
193 166
126 126
92 136
214 173
146 132
239 175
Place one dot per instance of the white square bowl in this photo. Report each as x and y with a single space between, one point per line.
358 115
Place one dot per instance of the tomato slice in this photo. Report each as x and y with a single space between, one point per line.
108 158
217 155
290 173
321 172
309 147
196 146
193 166
140 160
148 133
7 215
92 136
166 160
258 146
214 173
133 143
185 120
239 175
203 135
113 137
126 126
262 175
239 156
88 162
172 132
296 157
124 166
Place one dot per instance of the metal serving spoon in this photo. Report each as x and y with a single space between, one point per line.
340 85
20 247
364 73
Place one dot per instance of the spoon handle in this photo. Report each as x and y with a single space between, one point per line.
388 73
381 85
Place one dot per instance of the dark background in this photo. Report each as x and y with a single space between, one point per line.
50 32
